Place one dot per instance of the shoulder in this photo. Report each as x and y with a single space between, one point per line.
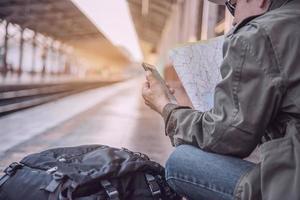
248 32
274 26
253 37
252 43
249 40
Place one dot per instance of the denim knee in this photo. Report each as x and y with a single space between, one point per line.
175 161
197 174
170 167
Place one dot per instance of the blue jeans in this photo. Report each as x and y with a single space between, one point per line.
199 175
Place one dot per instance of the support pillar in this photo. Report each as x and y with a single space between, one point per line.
50 55
21 50
5 49
44 59
60 58
190 21
33 61
209 20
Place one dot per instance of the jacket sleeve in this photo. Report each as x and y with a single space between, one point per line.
245 101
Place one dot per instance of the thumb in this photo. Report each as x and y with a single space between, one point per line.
172 90
149 76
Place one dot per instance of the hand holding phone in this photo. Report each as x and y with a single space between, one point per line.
157 76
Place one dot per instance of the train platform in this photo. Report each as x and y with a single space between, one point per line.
30 79
27 78
113 115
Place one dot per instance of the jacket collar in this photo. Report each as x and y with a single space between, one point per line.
240 25
278 3
274 5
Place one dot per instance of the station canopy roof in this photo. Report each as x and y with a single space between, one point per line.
59 19
62 20
150 26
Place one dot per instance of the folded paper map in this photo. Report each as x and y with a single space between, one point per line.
198 67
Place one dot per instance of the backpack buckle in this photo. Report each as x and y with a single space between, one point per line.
12 168
110 190
58 176
10 171
154 187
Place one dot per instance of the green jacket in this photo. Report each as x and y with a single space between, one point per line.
257 102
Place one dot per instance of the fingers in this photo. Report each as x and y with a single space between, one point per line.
149 76
145 89
145 93
147 103
172 91
146 85
148 73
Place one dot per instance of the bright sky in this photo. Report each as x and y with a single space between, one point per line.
113 19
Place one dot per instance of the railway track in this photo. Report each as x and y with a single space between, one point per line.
18 97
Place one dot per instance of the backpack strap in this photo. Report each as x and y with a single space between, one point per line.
65 190
153 185
10 171
56 181
110 190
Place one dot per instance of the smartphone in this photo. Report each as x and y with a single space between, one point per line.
153 70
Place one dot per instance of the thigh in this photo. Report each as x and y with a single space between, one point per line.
198 175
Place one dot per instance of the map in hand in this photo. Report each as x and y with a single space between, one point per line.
198 67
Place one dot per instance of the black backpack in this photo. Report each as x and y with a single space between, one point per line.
93 172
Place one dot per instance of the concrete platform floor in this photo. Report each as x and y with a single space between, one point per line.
114 115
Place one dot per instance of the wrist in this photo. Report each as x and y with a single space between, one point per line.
163 105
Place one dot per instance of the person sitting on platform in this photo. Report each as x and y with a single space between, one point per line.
257 101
